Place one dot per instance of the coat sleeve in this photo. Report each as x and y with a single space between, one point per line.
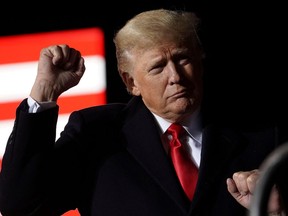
28 173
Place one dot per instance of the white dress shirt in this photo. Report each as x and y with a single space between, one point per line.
192 143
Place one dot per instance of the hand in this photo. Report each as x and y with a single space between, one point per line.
59 68
242 185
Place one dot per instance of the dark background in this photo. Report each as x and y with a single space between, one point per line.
244 43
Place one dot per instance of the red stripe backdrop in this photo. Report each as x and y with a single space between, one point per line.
26 48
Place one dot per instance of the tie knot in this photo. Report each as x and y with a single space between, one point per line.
175 130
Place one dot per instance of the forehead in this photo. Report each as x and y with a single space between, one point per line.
161 50
145 58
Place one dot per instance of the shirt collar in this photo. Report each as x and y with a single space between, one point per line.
192 125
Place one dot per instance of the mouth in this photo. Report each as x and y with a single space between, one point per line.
179 94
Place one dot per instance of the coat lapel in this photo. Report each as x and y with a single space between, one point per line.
144 144
218 146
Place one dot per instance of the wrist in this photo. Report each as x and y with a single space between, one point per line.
43 92
35 106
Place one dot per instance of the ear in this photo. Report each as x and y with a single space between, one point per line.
129 83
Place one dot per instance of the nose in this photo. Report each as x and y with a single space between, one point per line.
173 73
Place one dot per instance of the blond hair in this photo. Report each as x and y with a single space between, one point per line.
153 28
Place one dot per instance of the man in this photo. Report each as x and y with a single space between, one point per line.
115 159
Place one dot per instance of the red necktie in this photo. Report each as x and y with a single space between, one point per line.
185 168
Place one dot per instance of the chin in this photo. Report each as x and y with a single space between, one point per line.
184 106
185 102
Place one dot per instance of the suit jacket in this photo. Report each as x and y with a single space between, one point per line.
109 161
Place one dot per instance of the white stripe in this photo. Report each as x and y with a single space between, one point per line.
17 79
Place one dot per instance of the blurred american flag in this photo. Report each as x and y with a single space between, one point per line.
18 67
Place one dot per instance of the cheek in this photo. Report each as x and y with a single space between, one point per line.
153 91
153 100
151 85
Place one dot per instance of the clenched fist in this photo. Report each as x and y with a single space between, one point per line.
242 186
60 67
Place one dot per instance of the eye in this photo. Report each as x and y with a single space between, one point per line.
157 68
182 59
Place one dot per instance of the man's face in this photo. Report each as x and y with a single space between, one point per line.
169 81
